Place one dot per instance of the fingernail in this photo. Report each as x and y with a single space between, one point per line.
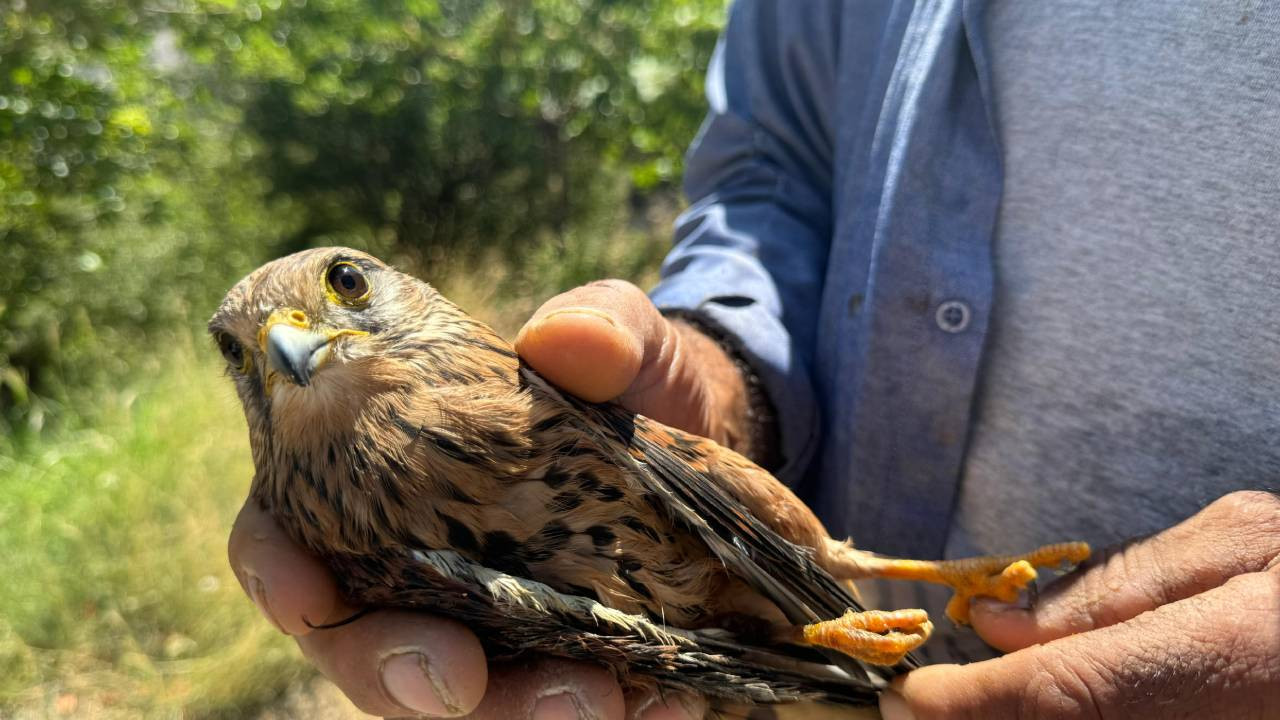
894 707
561 706
258 591
581 311
592 314
409 682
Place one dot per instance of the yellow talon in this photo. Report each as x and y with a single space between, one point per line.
1004 587
878 637
998 576
1002 577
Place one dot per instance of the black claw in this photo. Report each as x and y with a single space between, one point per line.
1033 594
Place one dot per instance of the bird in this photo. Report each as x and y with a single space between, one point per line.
403 442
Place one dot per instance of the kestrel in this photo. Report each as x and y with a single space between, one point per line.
403 442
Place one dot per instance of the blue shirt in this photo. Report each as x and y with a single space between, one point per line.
845 188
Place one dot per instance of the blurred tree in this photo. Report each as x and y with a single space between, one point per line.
467 123
152 151
69 133
107 228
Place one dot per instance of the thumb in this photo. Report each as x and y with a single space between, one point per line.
606 341
596 341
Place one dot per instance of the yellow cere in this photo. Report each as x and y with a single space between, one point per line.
296 318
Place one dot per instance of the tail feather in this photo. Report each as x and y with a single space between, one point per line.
514 615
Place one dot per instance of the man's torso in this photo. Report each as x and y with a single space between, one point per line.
1131 371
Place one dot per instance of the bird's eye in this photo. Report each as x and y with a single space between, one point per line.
348 282
233 351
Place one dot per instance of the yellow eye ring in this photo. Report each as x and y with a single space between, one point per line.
346 284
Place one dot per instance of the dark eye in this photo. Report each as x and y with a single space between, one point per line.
348 282
232 350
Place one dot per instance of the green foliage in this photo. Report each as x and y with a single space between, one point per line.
154 151
117 599
462 122
108 228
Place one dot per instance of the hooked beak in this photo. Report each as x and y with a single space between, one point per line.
293 348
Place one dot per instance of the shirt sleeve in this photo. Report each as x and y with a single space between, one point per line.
751 250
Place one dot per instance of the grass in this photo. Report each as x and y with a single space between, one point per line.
116 599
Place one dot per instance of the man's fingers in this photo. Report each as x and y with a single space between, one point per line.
1211 655
394 663
389 663
550 689
594 340
288 585
607 341
1239 533
398 663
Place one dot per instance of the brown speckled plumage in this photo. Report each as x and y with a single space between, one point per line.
422 432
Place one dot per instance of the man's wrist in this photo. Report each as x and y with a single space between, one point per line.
742 416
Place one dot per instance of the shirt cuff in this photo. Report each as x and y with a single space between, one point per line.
766 346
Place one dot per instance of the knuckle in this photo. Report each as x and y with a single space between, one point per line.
1256 603
1247 505
1248 522
1112 577
1062 686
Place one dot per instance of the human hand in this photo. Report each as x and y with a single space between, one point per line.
602 341
606 341
1185 623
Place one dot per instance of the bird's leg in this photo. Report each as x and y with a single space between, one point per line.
878 637
998 576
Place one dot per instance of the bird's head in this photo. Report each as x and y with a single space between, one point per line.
313 336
